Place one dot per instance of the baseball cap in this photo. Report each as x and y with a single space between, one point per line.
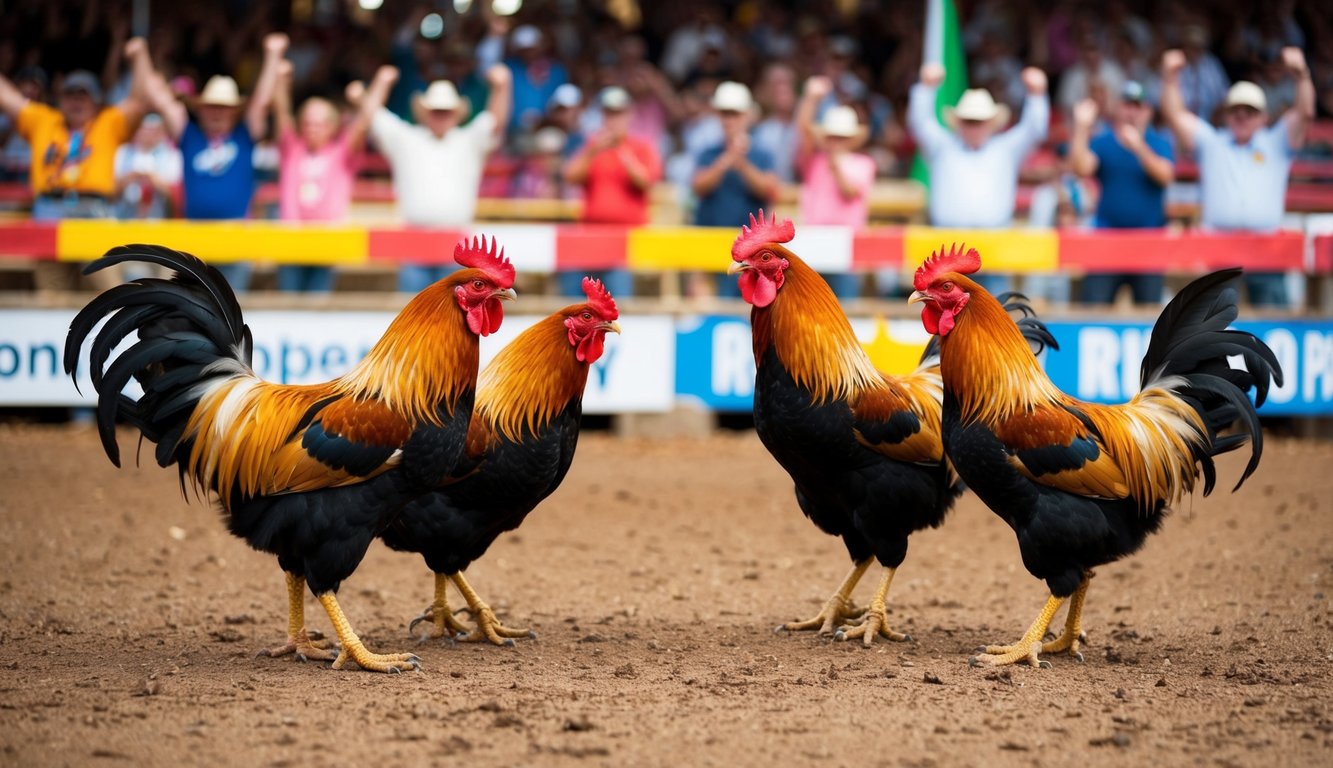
614 98
1247 94
1133 91
526 36
566 95
732 96
82 80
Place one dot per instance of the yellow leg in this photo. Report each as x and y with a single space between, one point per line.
1073 634
876 619
305 644
1026 649
488 626
838 609
438 613
353 649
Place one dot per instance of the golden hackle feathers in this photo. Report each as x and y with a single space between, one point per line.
245 430
991 371
530 381
812 336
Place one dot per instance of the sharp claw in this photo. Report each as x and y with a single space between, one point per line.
1078 656
509 641
532 635
779 629
979 649
298 656
974 662
314 634
908 638
1044 664
840 635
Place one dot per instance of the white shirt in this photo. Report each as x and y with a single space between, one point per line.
974 188
435 180
1243 186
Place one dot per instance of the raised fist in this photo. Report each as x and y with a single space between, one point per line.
498 75
135 46
275 43
1034 80
1085 113
1293 59
1172 62
818 87
386 74
932 74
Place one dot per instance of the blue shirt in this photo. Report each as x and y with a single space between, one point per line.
974 188
1243 186
530 97
731 201
1130 198
218 176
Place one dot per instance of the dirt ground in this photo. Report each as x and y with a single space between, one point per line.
129 622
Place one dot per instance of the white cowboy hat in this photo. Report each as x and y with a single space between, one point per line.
840 121
976 104
440 95
1247 94
732 97
220 91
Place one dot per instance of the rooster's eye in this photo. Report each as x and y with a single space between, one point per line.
587 315
767 256
478 284
947 287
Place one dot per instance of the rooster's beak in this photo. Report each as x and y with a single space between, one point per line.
505 295
608 326
737 266
918 296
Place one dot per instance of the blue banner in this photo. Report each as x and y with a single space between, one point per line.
1098 361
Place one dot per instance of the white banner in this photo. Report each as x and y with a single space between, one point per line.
636 374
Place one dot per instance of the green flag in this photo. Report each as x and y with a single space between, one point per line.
944 46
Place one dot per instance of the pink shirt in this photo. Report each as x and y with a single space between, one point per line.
821 200
315 186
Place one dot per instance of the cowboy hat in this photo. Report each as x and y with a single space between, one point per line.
840 121
220 91
440 95
976 104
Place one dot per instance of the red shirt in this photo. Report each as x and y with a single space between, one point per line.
609 196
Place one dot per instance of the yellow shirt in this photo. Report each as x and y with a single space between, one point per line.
84 161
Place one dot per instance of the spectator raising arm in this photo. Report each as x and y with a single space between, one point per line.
1299 117
1032 125
283 120
921 117
816 89
137 102
501 100
1082 160
1182 122
12 100
367 102
275 47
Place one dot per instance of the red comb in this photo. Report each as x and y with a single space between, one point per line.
475 254
600 299
759 233
956 260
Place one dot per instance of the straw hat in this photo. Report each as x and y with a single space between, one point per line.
440 95
220 91
976 104
841 121
732 97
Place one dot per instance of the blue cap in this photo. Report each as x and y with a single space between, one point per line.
82 80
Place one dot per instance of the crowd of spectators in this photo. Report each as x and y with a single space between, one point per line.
725 101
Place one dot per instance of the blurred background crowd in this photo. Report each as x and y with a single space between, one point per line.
712 107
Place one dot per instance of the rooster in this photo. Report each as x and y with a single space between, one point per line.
1084 484
863 447
519 447
308 473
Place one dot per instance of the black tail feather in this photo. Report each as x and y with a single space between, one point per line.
184 324
1191 339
